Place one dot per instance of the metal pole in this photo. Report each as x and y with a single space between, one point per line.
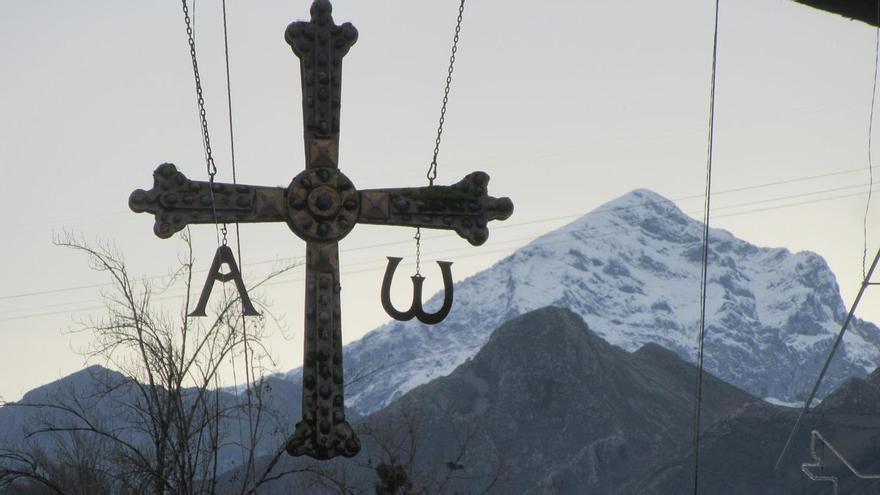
852 311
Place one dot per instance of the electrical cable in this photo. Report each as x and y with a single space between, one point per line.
698 406
470 253
249 379
865 283
526 223
123 213
866 275
237 231
871 140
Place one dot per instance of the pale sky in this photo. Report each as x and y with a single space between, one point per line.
566 104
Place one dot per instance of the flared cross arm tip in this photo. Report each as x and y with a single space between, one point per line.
464 207
303 35
339 440
176 201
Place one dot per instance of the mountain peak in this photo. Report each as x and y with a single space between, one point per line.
637 215
640 204
79 381
550 323
552 334
641 197
545 379
631 270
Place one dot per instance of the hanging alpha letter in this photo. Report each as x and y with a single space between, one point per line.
224 255
416 310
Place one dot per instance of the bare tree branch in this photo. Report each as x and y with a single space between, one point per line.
162 426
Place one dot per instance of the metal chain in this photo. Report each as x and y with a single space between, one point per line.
418 238
209 157
432 169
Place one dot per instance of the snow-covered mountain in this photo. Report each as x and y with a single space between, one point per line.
631 269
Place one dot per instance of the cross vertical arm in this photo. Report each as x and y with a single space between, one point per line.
320 46
323 432
322 208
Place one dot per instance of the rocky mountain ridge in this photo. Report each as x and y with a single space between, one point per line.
631 269
548 407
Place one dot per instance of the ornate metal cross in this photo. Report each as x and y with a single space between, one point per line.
321 206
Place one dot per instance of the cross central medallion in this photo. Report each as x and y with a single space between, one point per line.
321 206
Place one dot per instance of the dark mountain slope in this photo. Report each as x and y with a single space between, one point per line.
546 406
739 452
631 269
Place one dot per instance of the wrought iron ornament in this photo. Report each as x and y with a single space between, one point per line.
224 256
415 310
321 206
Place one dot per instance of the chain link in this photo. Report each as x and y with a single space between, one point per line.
418 238
432 169
206 138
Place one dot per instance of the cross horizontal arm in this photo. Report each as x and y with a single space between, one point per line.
464 207
177 201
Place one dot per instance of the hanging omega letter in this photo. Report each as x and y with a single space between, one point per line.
224 255
416 310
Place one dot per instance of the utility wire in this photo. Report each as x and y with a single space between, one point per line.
534 222
866 275
871 140
237 236
249 379
793 180
698 406
852 310
468 252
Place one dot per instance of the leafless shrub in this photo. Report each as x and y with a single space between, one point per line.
159 422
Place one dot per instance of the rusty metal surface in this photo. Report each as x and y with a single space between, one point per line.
224 255
176 202
464 207
320 46
322 206
323 432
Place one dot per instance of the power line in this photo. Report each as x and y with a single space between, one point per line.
704 273
469 252
520 224
790 205
538 221
51 313
124 213
871 141
865 283
866 275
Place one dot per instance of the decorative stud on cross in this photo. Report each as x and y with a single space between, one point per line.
321 206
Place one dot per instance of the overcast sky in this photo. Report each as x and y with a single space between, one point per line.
566 104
